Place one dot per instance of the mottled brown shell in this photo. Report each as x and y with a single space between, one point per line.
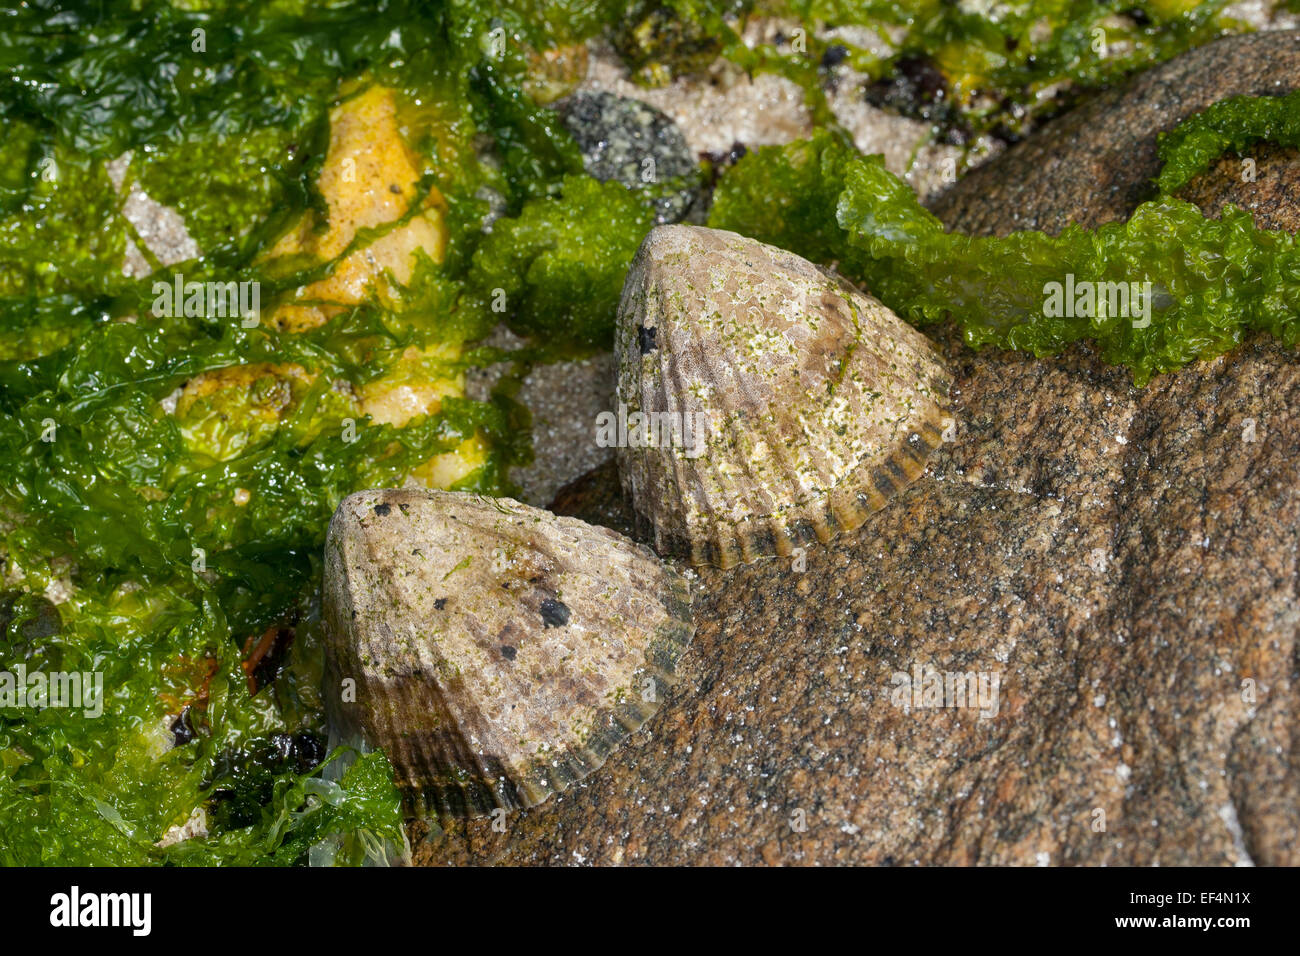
499 652
820 403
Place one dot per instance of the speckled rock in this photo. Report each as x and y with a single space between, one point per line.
1122 563
564 399
715 110
1112 572
1270 195
633 143
1096 163
726 110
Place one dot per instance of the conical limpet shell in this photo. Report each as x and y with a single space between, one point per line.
499 652
815 401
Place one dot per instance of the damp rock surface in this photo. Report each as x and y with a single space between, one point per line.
1265 183
564 399
1096 163
630 142
1121 562
1103 580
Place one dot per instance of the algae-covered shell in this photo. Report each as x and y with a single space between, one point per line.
496 652
769 402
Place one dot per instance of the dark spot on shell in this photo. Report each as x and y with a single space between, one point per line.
554 613
508 652
440 604
645 337
382 510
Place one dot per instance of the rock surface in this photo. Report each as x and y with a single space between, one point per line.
1270 196
1096 163
1122 561
630 142
563 399
725 107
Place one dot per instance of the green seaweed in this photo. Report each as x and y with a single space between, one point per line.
557 269
171 540
1211 281
1229 125
994 69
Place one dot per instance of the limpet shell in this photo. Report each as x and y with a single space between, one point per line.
499 653
816 402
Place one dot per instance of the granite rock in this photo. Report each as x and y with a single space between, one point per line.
1269 196
1096 163
1122 560
631 142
